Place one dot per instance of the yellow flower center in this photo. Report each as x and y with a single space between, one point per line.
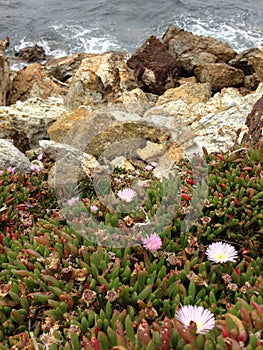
221 257
199 326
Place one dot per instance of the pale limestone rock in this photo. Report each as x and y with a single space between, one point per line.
112 131
151 152
214 124
122 162
30 118
10 156
99 79
133 101
188 92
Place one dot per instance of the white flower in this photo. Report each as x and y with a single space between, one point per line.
220 252
127 194
203 318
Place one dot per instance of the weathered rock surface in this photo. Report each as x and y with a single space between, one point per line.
99 79
33 81
63 68
4 71
10 156
166 102
98 132
27 122
257 63
254 123
179 41
241 61
31 54
215 124
154 66
219 75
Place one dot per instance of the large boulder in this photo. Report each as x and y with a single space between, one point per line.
219 75
188 92
33 81
216 124
154 66
254 123
257 63
179 42
27 122
4 71
99 79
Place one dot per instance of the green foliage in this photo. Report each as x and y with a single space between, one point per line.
63 292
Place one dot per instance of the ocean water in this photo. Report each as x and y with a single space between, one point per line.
69 26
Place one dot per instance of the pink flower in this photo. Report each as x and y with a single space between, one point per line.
149 167
152 242
40 156
11 170
127 194
94 208
203 318
1 172
35 167
72 200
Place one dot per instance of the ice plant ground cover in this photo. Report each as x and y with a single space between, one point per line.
60 291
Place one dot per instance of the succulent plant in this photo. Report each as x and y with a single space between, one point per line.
59 290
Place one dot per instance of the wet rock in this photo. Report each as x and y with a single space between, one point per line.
154 66
254 123
33 81
31 54
180 42
4 71
219 75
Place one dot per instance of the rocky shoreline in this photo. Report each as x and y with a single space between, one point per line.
176 95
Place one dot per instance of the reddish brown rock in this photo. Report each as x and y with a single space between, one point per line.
154 66
219 75
254 123
33 81
4 71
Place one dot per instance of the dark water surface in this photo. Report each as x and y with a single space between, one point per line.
68 26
